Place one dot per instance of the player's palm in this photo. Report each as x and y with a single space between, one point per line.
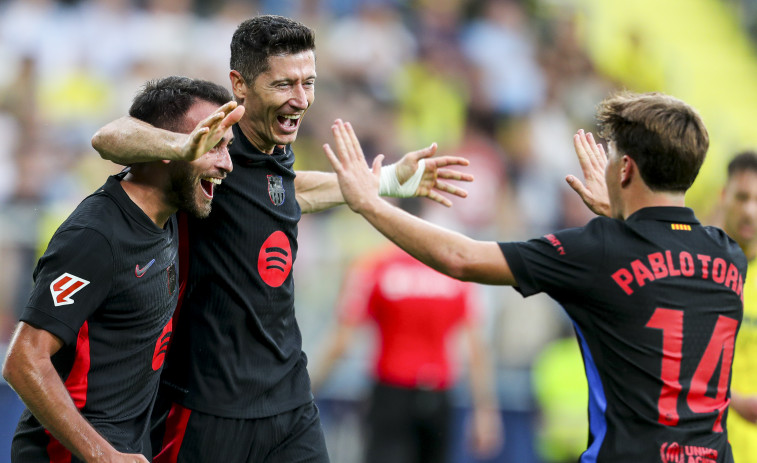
211 130
592 157
431 183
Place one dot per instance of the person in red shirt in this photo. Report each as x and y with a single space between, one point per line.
416 311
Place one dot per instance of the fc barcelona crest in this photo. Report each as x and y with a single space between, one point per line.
276 189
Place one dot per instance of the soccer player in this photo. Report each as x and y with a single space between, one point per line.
654 296
236 375
87 354
739 209
417 312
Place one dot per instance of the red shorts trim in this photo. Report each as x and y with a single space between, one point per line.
176 427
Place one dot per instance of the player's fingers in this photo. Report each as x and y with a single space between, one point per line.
233 117
196 138
228 107
339 141
452 189
450 174
588 146
439 198
578 146
578 187
333 159
212 120
596 152
356 149
376 168
444 161
422 153
348 147
602 152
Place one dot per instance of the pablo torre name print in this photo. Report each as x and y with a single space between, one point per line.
658 265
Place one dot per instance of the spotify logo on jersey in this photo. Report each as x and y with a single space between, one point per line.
275 259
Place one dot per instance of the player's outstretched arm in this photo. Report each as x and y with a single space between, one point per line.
593 159
416 174
30 372
128 140
448 252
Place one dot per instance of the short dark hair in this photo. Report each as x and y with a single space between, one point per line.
743 162
258 38
663 135
164 102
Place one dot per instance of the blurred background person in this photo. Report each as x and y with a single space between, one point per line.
739 220
417 314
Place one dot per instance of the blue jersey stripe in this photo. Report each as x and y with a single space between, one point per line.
597 403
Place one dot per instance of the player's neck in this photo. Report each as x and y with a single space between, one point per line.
144 192
252 136
640 198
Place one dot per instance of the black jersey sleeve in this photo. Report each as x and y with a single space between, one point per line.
71 280
558 263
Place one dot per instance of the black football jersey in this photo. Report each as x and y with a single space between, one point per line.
107 287
237 347
656 302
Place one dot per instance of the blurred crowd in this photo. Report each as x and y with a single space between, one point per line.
504 83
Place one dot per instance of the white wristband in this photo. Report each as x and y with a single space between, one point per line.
389 185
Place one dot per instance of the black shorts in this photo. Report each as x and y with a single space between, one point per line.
407 425
189 436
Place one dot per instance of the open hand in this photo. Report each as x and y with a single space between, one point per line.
359 185
430 184
211 130
592 157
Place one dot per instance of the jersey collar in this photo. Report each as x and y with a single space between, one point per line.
665 214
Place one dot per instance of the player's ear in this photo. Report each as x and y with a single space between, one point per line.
628 170
238 85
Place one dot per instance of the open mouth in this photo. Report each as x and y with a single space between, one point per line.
207 185
289 121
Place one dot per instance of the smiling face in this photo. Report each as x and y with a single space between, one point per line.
740 209
193 183
277 99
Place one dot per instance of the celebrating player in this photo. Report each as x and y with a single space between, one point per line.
654 296
236 376
87 355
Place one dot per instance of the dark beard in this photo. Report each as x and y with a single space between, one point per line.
185 190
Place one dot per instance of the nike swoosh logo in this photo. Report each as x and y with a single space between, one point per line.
138 272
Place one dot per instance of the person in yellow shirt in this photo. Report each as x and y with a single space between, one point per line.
739 201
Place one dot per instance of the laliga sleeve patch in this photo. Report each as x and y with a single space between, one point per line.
65 286
275 259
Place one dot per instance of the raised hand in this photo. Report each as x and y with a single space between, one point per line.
430 184
592 157
359 184
211 130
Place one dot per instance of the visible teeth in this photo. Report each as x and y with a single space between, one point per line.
291 116
216 181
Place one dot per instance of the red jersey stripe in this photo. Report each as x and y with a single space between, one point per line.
176 427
